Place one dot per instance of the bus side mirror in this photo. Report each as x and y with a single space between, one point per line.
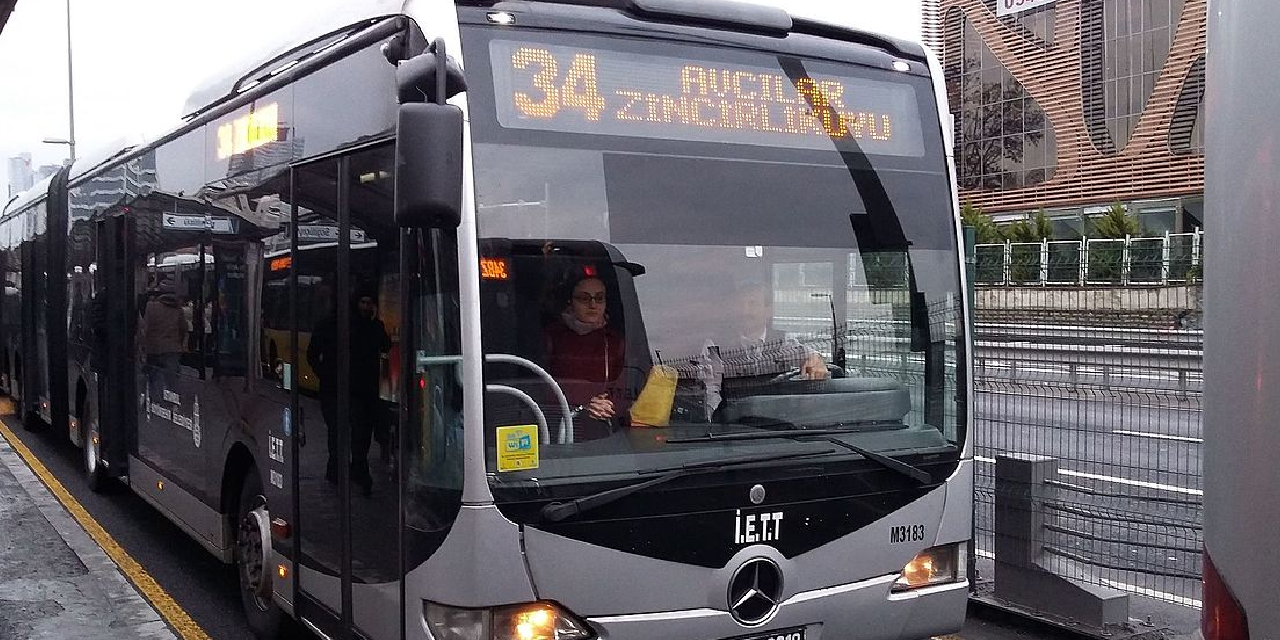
428 182
428 178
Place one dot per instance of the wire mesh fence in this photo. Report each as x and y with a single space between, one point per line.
1107 382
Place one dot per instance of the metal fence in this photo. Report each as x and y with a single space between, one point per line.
1169 259
1103 386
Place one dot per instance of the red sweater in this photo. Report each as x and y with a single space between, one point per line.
585 365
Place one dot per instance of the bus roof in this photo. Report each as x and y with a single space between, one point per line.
105 153
767 13
345 19
6 8
310 32
324 26
27 198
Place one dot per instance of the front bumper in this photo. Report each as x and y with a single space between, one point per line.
866 610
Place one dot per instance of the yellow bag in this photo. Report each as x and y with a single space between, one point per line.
652 407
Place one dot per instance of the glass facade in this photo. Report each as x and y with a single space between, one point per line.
1125 44
1036 24
1186 131
1003 139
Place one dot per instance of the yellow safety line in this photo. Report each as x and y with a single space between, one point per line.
173 614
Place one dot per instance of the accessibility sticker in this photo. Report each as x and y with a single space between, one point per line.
518 448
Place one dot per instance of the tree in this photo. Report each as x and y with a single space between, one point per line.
1106 258
1024 260
1035 229
1117 223
988 261
984 227
1042 225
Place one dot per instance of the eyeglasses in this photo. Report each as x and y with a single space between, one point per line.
584 298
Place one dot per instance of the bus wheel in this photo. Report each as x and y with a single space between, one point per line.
31 421
95 474
253 546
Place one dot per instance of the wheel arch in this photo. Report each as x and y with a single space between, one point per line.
238 463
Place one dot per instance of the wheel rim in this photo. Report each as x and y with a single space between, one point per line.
91 454
253 543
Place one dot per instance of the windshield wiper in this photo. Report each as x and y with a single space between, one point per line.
557 511
794 432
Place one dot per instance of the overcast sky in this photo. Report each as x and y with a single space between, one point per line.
135 61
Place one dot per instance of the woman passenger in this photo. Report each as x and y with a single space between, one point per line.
585 355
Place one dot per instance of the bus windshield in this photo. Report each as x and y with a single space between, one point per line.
717 241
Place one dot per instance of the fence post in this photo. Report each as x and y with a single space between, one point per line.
1044 261
1084 261
1022 575
1164 269
1195 250
971 271
1008 262
1126 263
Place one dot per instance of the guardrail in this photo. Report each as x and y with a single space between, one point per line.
1103 428
1169 259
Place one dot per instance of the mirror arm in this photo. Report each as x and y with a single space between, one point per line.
442 70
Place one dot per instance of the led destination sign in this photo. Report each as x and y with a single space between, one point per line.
593 91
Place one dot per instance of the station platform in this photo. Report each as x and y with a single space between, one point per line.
56 581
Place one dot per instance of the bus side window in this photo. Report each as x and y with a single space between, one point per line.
229 311
275 335
170 334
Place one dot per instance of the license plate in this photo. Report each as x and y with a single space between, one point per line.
780 634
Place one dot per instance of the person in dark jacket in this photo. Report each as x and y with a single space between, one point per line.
367 341
164 335
586 356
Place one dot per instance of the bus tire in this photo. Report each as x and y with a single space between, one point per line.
95 474
253 542
31 421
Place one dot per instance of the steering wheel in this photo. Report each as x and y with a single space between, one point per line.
793 375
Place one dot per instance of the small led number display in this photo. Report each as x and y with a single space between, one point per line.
494 269
594 91
282 263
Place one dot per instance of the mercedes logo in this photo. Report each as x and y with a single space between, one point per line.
756 494
755 591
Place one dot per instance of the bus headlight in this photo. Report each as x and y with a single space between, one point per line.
532 621
937 565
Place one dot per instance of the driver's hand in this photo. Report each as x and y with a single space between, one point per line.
814 368
600 407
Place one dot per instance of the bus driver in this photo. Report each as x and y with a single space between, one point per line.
585 355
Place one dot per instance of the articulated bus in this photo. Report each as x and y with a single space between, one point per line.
604 430
1241 305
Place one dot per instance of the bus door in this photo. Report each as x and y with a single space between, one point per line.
31 327
345 288
113 319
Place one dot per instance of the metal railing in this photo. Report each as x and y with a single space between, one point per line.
1174 258
1113 400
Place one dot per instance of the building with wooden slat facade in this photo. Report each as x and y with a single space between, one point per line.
1074 105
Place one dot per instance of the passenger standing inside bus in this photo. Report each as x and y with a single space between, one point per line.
367 341
164 332
585 355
